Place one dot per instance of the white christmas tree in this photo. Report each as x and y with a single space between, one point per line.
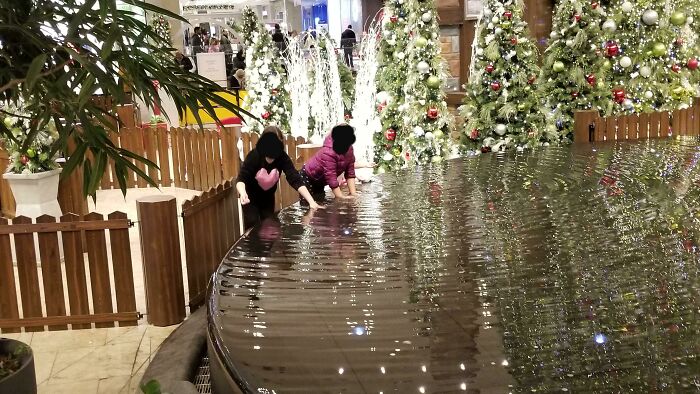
365 118
268 96
327 109
299 86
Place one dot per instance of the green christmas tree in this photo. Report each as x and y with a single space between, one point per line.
502 106
427 118
161 26
391 79
572 73
268 96
650 63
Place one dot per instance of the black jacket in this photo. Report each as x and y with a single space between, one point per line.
186 63
253 163
348 39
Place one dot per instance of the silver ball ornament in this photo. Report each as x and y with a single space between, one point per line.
423 67
625 62
426 17
650 17
627 7
645 71
609 25
648 94
500 129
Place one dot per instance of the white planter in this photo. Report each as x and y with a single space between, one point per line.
35 194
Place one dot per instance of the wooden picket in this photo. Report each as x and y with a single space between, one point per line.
75 308
589 126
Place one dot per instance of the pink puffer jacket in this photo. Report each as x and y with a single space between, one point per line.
327 165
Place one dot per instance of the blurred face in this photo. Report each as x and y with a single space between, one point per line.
269 160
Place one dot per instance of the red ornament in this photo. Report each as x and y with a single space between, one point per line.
381 107
594 5
532 79
619 95
390 134
408 156
679 41
274 92
394 19
574 94
612 48
508 15
591 79
675 68
485 149
514 41
474 134
266 115
348 117
693 64
24 159
577 17
490 68
432 113
496 86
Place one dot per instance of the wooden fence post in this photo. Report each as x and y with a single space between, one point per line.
306 151
162 266
582 121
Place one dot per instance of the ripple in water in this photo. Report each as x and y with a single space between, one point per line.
569 269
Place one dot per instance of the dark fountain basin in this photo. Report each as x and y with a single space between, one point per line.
567 269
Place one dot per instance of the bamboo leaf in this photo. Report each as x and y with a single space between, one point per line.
34 70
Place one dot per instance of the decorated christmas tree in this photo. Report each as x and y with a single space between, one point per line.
427 119
502 106
651 64
572 72
391 79
266 83
161 26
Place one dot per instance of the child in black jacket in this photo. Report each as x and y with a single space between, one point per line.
257 180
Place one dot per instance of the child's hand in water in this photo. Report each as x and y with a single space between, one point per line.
315 206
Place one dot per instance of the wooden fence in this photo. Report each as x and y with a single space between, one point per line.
589 126
57 241
211 225
196 159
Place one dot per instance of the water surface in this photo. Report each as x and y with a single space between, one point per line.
568 269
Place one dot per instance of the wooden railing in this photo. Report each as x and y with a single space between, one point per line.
589 126
211 225
61 244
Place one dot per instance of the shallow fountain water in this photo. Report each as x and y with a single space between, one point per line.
567 269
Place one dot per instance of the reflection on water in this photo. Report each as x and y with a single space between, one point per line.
570 269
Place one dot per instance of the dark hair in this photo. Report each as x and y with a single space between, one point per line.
274 130
349 26
277 26
343 137
197 29
240 55
269 145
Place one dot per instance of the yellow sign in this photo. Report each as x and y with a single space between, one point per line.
235 97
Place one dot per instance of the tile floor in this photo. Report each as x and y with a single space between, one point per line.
107 360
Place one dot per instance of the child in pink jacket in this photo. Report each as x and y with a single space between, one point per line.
335 158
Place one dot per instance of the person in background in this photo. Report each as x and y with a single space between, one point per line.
214 45
197 42
183 61
347 42
279 39
336 157
239 61
259 175
238 80
225 42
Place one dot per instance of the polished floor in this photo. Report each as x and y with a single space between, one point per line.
107 360
570 269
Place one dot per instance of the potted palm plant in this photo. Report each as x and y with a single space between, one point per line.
56 56
17 374
33 173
